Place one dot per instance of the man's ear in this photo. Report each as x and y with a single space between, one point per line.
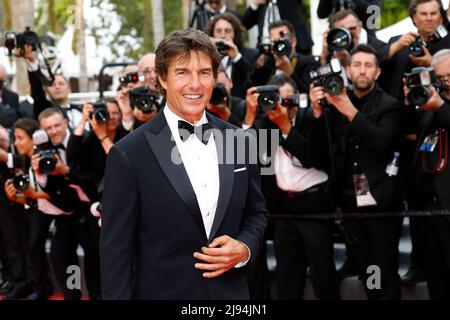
162 82
347 72
378 72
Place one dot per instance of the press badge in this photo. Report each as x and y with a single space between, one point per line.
362 191
430 142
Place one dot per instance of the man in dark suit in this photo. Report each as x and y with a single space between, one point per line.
357 137
167 231
258 13
9 102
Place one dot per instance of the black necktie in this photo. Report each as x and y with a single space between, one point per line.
202 132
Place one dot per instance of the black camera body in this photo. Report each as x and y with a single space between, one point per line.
100 113
269 97
131 77
143 99
21 181
419 81
282 47
46 152
296 100
416 49
265 46
222 48
20 39
329 77
219 94
339 39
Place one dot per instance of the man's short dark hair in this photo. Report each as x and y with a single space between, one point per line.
341 15
27 125
366 48
414 3
283 23
238 28
281 79
48 112
180 44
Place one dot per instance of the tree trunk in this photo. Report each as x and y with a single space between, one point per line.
23 13
231 4
52 16
158 22
6 15
187 12
83 78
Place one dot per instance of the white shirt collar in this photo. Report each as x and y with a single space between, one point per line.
66 139
363 37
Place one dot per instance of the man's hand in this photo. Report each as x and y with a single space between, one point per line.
220 109
284 64
10 190
435 101
343 104
315 95
60 168
251 98
424 61
325 50
144 117
402 43
26 53
123 99
233 51
258 2
280 117
343 57
35 158
222 254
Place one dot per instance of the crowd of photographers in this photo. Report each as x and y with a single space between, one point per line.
361 129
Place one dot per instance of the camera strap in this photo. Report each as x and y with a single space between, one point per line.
442 154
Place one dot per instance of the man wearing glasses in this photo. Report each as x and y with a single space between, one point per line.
433 177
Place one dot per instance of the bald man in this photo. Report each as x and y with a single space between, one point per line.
9 102
146 66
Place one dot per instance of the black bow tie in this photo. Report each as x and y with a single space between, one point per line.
202 132
60 146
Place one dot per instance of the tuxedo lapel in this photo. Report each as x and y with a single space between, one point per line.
226 174
159 137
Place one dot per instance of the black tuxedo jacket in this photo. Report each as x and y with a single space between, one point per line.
152 225
9 108
241 70
378 128
290 10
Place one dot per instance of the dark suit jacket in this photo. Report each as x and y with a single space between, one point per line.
290 10
152 224
241 70
377 126
9 108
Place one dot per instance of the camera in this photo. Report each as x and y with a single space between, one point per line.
144 100
282 47
265 46
21 181
328 76
131 77
419 81
440 33
269 97
339 39
219 94
222 48
100 113
296 100
416 49
20 39
46 152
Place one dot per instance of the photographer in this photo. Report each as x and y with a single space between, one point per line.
299 243
414 49
13 233
78 228
346 33
58 91
354 140
87 151
226 31
280 56
264 12
432 175
222 104
328 8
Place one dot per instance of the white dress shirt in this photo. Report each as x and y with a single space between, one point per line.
202 167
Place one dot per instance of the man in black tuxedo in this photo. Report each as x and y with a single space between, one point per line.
355 139
167 231
258 13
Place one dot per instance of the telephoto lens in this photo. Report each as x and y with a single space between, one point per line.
339 39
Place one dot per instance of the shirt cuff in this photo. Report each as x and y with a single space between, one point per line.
10 161
253 6
32 66
245 126
242 264
237 58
